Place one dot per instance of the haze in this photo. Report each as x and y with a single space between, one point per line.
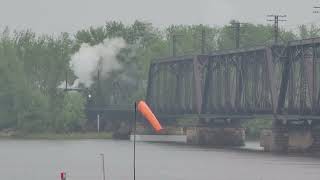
53 16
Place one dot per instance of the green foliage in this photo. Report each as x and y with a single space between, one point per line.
189 38
31 69
254 127
72 117
33 66
33 117
308 32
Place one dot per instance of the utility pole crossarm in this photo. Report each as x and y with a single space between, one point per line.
316 11
276 19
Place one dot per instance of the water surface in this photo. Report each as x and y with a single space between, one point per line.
43 160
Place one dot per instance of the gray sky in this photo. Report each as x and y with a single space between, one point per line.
52 16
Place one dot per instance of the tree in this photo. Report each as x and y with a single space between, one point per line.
32 67
72 117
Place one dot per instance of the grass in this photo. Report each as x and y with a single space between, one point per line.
61 136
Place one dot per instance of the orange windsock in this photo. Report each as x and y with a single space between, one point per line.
144 109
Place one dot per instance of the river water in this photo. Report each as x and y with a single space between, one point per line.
44 159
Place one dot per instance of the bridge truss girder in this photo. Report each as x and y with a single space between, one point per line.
277 80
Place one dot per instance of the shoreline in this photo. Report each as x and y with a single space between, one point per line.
58 136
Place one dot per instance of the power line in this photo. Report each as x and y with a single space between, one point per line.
276 20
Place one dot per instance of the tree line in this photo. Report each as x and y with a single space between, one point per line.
32 67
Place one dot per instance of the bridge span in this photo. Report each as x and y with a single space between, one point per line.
218 90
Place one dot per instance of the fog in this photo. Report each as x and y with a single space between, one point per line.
54 16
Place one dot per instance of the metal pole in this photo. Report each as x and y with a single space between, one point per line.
134 140
203 39
276 29
99 98
236 27
98 122
103 169
66 80
174 43
237 34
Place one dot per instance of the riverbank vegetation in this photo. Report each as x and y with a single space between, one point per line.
57 136
33 67
254 126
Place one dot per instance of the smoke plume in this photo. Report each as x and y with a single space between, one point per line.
89 59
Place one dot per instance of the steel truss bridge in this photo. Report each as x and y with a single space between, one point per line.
278 81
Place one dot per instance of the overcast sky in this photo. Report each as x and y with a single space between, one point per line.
53 16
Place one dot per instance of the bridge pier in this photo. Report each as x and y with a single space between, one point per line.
316 137
276 138
216 136
292 136
217 132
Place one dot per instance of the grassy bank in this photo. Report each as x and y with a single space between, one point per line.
56 136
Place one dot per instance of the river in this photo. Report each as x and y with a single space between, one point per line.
44 159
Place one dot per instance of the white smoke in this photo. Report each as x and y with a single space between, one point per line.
89 59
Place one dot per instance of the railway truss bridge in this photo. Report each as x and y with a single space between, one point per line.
210 95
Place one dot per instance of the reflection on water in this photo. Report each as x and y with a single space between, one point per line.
43 160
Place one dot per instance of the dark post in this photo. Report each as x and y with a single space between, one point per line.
276 29
174 43
134 140
99 98
237 34
236 27
203 39
103 168
66 80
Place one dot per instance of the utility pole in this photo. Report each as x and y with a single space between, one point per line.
203 39
66 80
236 25
98 99
174 44
98 86
275 20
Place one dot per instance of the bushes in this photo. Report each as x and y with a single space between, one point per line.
33 115
32 67
72 117
254 127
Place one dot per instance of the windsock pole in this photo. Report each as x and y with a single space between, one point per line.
146 112
134 140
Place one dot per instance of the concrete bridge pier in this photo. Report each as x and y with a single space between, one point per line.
278 140
291 136
316 137
216 136
219 133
